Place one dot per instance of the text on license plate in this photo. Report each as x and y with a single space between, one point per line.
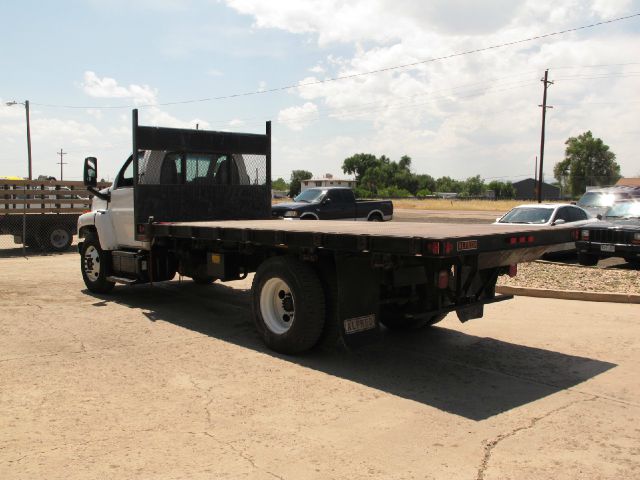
359 324
607 248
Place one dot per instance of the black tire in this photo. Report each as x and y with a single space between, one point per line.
633 262
91 255
203 279
375 217
288 304
587 259
394 318
57 238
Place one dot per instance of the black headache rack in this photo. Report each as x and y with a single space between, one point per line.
183 175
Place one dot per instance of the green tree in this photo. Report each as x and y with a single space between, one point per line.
448 185
473 186
426 183
297 176
280 184
587 161
502 189
358 164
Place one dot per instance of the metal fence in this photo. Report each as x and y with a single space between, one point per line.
40 216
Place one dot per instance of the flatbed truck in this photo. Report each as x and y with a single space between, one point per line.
42 213
198 203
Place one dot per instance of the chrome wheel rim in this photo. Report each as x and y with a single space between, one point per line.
59 238
92 263
277 306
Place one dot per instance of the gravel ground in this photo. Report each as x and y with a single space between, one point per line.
559 276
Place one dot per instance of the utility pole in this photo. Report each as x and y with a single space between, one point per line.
544 106
61 163
26 107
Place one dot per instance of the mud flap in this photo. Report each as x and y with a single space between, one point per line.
470 312
358 300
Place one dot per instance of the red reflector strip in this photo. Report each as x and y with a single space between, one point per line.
513 270
522 239
443 279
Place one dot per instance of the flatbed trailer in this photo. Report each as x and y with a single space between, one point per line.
316 282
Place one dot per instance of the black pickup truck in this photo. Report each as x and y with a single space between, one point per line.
333 203
616 235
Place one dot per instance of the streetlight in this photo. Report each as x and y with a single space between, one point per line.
26 107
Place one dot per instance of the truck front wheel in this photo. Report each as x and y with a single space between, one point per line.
288 304
93 263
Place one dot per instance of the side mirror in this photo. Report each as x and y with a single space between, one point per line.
90 173
326 201
560 221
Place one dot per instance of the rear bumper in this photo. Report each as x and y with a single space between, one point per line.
619 250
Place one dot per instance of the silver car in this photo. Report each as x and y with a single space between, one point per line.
547 215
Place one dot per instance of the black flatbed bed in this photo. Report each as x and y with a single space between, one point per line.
404 238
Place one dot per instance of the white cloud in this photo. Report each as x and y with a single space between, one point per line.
236 122
469 114
106 87
298 118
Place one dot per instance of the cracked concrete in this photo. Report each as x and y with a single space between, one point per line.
171 382
490 446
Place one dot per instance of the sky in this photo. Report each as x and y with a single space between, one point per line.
234 64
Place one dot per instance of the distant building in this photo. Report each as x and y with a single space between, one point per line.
326 181
526 190
628 182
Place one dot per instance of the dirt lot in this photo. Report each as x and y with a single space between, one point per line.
171 382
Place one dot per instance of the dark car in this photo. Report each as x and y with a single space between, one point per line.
333 203
616 235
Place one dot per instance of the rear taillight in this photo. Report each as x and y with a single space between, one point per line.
520 240
513 270
636 238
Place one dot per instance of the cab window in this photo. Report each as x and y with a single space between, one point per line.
125 177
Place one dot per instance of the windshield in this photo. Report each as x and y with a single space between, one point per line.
527 215
600 199
313 195
624 210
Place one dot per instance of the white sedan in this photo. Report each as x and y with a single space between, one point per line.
548 215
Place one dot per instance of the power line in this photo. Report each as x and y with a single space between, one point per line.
356 75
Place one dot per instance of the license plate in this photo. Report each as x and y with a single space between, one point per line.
607 248
359 324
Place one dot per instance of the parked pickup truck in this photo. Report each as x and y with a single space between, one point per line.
198 203
333 203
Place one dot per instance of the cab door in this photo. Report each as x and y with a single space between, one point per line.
121 207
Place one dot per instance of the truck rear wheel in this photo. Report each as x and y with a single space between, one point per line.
57 239
375 217
93 264
288 304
